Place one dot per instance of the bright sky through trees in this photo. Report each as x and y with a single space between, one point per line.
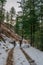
11 3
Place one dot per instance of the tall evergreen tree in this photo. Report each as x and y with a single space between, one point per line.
7 17
41 25
2 3
29 18
12 14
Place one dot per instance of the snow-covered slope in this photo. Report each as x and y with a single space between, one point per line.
19 58
4 49
35 54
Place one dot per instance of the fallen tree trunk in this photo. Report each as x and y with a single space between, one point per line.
9 32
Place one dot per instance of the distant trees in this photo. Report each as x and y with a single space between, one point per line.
12 14
10 17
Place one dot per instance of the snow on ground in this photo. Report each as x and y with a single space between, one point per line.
3 55
35 54
4 49
25 45
18 57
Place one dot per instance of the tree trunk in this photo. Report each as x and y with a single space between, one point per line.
31 36
1 16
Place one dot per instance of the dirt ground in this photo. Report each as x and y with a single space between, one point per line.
10 58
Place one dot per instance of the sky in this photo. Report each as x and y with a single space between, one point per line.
11 3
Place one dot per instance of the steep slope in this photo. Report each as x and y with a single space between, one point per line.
9 32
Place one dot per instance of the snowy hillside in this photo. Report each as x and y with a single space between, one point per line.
4 49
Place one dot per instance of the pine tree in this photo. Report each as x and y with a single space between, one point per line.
41 25
7 17
12 14
2 3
